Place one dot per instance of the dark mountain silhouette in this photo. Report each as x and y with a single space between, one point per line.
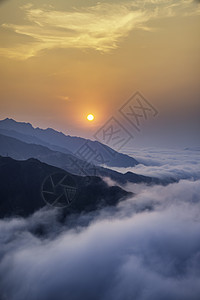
20 150
21 183
65 143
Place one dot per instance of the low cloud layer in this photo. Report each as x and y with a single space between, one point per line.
146 248
166 163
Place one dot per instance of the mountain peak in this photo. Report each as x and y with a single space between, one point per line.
11 124
8 120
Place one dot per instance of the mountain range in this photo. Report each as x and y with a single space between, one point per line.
29 155
21 141
21 183
91 151
19 150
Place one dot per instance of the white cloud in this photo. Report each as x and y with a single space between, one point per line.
165 163
145 249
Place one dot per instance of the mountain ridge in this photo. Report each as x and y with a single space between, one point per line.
21 183
19 150
72 144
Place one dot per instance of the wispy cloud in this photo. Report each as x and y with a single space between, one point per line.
100 27
64 98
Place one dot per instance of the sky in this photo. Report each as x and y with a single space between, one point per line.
62 60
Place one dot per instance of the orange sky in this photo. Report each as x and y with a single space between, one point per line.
61 60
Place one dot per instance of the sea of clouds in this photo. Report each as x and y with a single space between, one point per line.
165 163
146 248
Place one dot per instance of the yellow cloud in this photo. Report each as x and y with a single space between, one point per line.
65 98
99 27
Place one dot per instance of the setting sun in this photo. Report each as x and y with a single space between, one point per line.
90 117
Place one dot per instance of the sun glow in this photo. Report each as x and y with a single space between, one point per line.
90 117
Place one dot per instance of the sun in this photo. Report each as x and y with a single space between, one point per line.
90 117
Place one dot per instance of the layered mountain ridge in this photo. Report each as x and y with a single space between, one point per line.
55 140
